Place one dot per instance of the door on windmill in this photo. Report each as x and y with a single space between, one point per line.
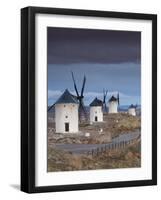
66 127
96 119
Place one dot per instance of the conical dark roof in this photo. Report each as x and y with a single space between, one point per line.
66 97
112 99
96 102
132 106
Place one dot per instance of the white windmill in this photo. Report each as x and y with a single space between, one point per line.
66 113
96 112
132 110
113 104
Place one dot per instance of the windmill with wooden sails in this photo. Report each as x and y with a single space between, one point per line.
114 103
104 100
80 97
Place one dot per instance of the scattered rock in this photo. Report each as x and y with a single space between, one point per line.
87 134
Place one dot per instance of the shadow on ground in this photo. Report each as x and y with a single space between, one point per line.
15 186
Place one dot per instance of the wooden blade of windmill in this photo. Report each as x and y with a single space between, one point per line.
106 93
118 98
104 99
84 81
104 96
75 87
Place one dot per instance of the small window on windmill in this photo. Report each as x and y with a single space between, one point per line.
64 105
96 112
66 116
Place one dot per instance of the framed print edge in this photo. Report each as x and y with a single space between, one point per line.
24 101
28 99
154 99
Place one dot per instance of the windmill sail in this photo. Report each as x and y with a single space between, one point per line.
75 87
118 99
84 81
82 110
104 100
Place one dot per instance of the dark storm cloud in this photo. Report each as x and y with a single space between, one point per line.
66 45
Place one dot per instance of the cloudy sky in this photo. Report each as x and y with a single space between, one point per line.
109 59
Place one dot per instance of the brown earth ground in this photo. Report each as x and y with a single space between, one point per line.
59 160
113 125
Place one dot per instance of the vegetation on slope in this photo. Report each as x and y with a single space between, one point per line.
59 160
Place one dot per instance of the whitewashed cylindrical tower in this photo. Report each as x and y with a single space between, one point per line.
113 105
132 110
66 113
96 112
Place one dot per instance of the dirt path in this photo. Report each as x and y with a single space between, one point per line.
83 148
